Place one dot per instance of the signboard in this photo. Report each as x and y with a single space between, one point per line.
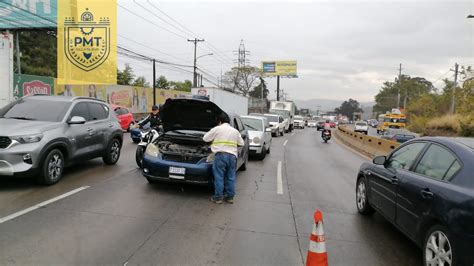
26 14
29 85
279 68
87 42
6 68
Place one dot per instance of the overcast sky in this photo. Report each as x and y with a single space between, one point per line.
344 49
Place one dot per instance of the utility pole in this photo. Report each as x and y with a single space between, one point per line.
18 62
195 41
399 83
453 100
154 82
278 88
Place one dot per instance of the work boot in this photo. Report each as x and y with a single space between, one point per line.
216 200
229 200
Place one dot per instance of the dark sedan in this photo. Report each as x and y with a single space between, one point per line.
398 135
426 189
320 125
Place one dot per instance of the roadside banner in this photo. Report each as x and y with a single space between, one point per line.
87 42
279 68
28 14
24 85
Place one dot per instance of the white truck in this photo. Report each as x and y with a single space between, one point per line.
228 101
287 110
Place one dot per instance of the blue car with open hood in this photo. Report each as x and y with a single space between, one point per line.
179 154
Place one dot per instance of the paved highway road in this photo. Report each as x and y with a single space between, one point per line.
118 218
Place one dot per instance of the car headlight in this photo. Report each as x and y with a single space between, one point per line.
28 138
152 150
256 140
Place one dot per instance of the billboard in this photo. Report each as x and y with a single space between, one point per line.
279 68
87 42
26 14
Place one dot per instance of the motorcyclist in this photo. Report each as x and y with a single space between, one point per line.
153 118
327 127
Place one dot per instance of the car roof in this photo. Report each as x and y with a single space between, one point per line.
454 143
271 115
59 98
253 117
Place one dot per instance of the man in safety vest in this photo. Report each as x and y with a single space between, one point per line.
225 140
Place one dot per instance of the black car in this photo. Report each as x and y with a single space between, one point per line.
320 125
426 189
398 135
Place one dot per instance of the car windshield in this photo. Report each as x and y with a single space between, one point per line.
283 113
36 109
272 118
252 124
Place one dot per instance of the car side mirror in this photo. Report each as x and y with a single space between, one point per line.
380 160
77 120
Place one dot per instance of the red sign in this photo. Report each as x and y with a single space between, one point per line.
36 87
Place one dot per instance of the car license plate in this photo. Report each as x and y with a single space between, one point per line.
177 170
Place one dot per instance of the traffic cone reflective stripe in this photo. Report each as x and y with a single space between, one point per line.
317 254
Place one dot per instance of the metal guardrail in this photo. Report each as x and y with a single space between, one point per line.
372 146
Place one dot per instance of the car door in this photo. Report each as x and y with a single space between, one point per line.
423 189
383 181
99 126
79 135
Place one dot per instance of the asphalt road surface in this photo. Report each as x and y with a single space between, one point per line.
116 217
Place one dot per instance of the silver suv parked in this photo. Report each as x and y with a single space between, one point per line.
40 135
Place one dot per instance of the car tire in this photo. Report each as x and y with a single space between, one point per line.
136 141
274 135
52 168
282 133
263 154
243 167
362 200
268 151
139 156
112 154
446 253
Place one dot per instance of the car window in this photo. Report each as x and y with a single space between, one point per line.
252 124
236 125
98 111
241 126
437 162
121 111
81 109
36 109
405 156
272 118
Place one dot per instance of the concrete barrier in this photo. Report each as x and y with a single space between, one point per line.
369 145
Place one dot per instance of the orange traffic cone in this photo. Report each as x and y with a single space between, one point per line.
317 255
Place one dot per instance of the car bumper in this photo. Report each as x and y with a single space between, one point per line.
13 163
255 150
157 169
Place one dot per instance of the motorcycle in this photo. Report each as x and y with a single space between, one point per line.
326 135
146 137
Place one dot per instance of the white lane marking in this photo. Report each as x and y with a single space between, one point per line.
284 143
42 204
125 263
279 181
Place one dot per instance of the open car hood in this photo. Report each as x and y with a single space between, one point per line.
189 114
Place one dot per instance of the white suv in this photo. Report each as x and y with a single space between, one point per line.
361 127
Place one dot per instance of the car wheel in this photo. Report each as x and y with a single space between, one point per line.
113 152
53 167
139 156
282 133
136 141
244 165
263 154
274 135
268 151
362 200
438 247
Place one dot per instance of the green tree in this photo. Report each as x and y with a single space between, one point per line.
348 108
126 76
413 88
181 86
38 53
257 90
162 83
141 82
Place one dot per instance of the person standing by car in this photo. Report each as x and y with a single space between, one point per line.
153 118
225 140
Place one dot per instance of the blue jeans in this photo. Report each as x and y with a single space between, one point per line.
224 175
